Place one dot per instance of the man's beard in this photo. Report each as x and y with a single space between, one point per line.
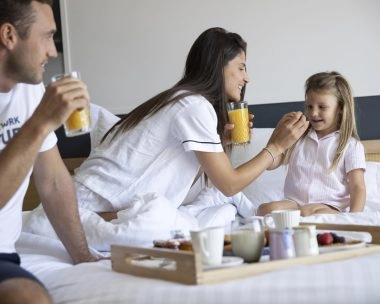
19 69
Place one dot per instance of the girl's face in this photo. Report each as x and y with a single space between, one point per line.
322 110
235 76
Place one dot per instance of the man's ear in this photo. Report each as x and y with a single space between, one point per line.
8 35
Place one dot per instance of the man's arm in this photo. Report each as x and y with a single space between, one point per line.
57 192
18 157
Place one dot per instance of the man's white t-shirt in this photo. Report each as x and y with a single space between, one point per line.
154 157
16 107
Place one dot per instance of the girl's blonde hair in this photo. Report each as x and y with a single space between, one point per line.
335 84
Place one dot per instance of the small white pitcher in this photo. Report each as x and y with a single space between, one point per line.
305 240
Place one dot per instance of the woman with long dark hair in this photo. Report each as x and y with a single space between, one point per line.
162 145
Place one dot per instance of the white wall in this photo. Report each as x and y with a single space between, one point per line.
55 66
129 50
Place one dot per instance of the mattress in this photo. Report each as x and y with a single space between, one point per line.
347 281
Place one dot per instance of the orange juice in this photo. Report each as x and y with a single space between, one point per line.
238 115
78 123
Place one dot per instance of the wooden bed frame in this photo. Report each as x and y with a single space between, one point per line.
372 148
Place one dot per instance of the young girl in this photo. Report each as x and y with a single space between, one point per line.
326 166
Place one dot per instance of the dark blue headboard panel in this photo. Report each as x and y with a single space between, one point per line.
69 147
367 115
266 116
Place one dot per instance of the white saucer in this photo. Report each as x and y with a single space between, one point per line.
227 261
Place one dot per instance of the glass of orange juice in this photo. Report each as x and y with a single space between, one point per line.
238 115
78 122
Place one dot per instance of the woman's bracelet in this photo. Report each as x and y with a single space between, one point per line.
270 153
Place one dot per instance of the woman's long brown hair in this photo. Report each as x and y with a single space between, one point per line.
203 75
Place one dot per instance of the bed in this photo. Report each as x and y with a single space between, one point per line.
353 280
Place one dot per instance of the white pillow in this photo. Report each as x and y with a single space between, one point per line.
269 186
259 140
372 182
101 121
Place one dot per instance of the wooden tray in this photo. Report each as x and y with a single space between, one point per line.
188 269
374 231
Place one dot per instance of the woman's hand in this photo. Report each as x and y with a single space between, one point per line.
288 130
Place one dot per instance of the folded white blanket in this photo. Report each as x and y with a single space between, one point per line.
148 217
151 217
212 208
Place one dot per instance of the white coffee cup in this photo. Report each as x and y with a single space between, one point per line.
282 219
247 238
305 240
209 243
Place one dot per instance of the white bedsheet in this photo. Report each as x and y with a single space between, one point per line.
348 281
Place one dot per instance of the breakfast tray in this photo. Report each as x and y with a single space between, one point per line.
185 266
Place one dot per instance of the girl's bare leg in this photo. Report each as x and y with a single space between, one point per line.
311 209
266 208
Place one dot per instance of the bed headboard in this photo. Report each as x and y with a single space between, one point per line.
367 114
75 149
266 116
372 149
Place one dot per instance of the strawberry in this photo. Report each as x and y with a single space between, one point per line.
325 238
